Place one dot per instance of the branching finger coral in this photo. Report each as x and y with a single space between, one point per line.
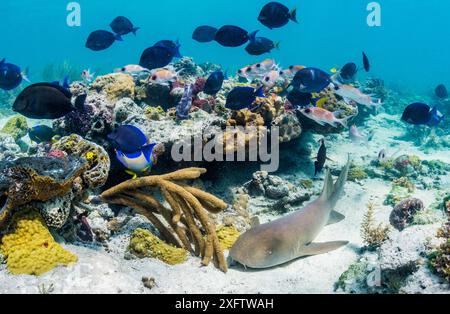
186 224
372 235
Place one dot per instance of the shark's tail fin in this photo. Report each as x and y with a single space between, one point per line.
333 191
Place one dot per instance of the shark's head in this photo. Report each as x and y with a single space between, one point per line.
251 252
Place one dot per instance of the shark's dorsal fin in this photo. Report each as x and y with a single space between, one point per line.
328 186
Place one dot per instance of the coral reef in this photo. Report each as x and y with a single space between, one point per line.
373 235
29 248
37 179
9 149
357 173
115 86
289 127
97 159
402 189
144 244
186 67
187 205
273 194
404 212
439 260
16 126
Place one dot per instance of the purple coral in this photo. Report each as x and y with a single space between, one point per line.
403 213
184 106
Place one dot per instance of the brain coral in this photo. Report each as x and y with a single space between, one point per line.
97 158
30 249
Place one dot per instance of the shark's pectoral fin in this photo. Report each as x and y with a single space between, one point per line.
322 248
335 217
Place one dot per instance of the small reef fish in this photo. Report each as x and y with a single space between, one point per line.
348 71
101 40
233 36
138 162
441 91
292 70
172 46
321 159
260 46
291 237
242 97
87 76
257 70
366 62
11 76
323 117
185 104
276 15
301 100
354 94
128 139
47 101
204 34
163 76
214 83
123 26
155 57
382 155
272 78
422 114
311 80
41 134
357 137
132 69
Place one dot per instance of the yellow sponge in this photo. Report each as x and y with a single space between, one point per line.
144 244
30 249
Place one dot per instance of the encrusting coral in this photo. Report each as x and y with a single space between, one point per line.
16 126
115 86
189 225
97 158
372 235
144 244
29 248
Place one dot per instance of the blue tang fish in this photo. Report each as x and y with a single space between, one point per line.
243 97
214 83
422 114
311 80
11 75
138 162
172 46
128 139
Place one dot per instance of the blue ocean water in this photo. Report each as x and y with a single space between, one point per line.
410 49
